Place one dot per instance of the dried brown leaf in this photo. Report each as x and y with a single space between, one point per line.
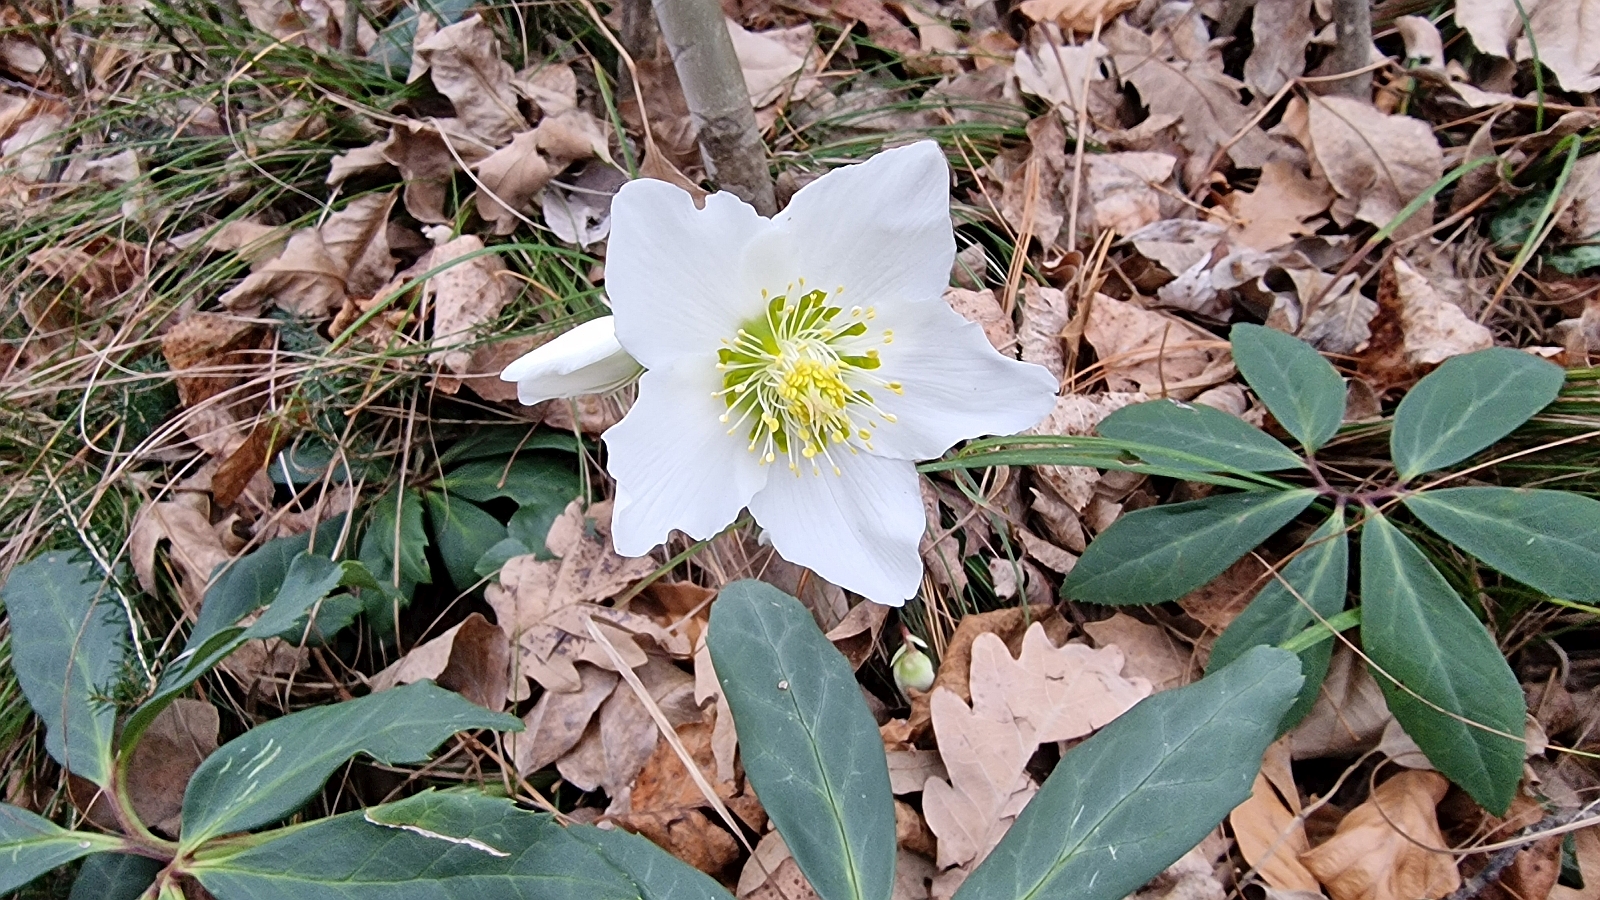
984 752
1270 836
1378 851
465 64
1435 329
170 750
1377 163
1279 209
1052 693
982 308
1152 352
465 297
1282 30
348 255
1151 653
479 667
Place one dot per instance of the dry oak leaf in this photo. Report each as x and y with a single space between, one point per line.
1435 329
1052 693
464 62
348 255
1279 210
1378 852
1151 653
1376 162
1567 33
1268 829
465 297
667 806
1064 76
778 65
1349 716
1045 317
1282 30
509 179
1152 352
195 547
1075 15
1125 190
985 751
1078 414
772 874
981 308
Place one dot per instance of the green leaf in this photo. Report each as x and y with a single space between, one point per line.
1199 430
495 558
463 533
535 480
505 441
31 845
1130 800
114 876
309 579
1549 540
1468 403
1302 390
254 580
447 846
69 639
393 535
1162 552
1415 628
530 525
273 769
809 746
1319 574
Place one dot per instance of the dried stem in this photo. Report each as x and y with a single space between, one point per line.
719 102
1353 53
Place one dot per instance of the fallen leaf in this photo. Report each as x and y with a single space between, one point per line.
909 770
981 308
194 548
509 179
1566 33
479 667
466 296
1063 75
778 64
1127 191
772 874
1266 826
856 635
1152 352
1045 316
348 255
1435 329
1377 163
1192 877
558 719
1587 842
1216 603
615 747
1077 415
1340 321
465 64
168 753
1349 715
667 806
553 87
1052 693
1378 851
1279 210
1282 29
1075 15
985 753
579 211
940 547
1151 653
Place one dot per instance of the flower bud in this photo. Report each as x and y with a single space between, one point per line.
586 360
912 668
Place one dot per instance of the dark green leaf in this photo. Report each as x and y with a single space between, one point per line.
1549 540
254 580
309 578
273 769
810 747
1199 430
1318 573
396 533
1130 800
1163 552
1415 628
503 442
530 525
445 846
31 846
464 533
536 480
69 639
1468 403
495 557
114 876
1300 388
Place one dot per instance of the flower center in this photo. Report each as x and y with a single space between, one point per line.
796 380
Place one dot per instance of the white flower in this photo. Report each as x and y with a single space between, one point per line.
800 365
585 360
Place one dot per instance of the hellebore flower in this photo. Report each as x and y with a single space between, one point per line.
800 365
585 360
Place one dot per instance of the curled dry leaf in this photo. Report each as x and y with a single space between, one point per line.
1379 850
1267 827
981 308
1045 317
1435 329
465 64
1349 716
1566 33
194 548
667 807
1075 15
347 256
778 65
1331 315
1282 30
169 752
1064 76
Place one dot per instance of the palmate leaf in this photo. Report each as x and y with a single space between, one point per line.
1300 388
69 638
1130 800
1163 552
1549 540
31 846
1466 404
809 745
273 769
1319 574
448 846
1198 430
1415 628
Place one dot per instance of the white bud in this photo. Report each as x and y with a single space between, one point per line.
586 360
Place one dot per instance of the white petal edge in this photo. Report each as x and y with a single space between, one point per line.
880 229
858 529
584 360
672 271
956 385
674 462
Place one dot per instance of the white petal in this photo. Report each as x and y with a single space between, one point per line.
675 464
672 271
858 529
585 360
956 386
879 229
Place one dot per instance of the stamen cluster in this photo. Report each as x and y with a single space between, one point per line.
797 379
